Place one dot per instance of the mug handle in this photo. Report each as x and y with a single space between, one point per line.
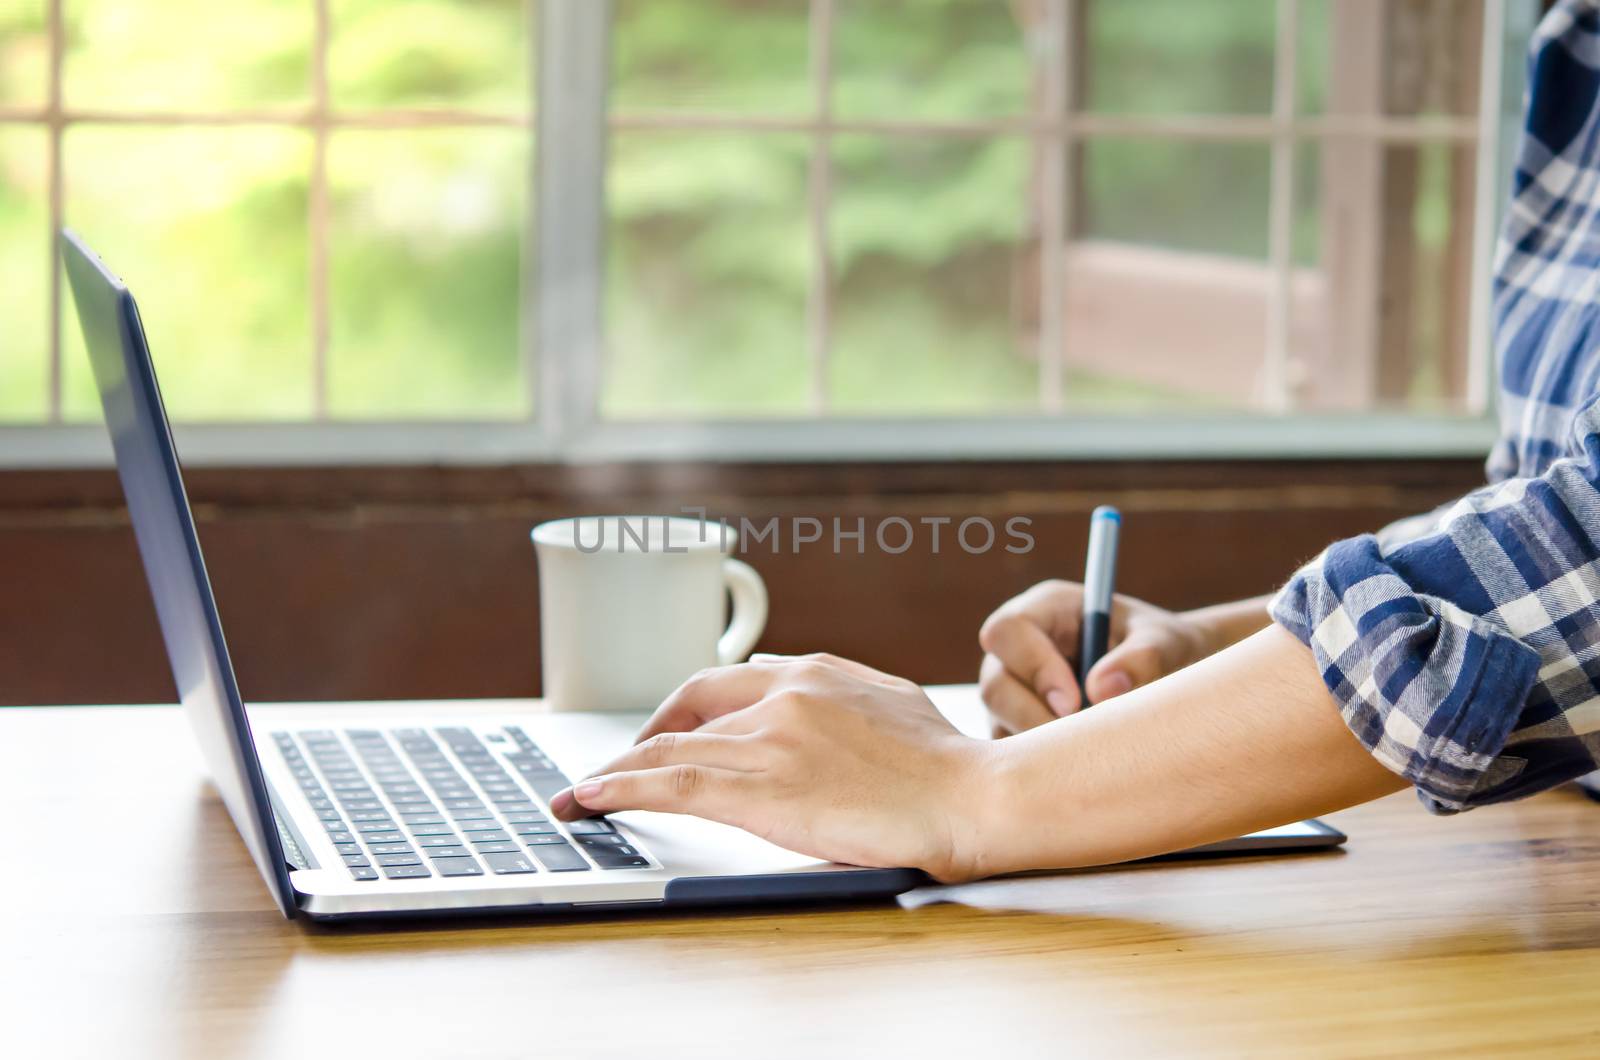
749 594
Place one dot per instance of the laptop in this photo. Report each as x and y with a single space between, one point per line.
351 813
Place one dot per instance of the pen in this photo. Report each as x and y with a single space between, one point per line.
1099 583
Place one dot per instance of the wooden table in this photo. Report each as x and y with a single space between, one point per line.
133 924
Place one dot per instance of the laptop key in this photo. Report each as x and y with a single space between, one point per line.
526 817
508 864
364 873
457 867
544 840
384 824
329 814
406 872
387 860
495 836
612 861
559 858
391 848
608 839
341 837
497 848
484 825
548 784
446 839
347 848
590 826
371 815
535 828
447 853
356 861
431 829
523 807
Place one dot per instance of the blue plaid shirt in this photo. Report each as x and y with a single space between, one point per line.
1463 647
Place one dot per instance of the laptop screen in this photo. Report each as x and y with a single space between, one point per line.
164 527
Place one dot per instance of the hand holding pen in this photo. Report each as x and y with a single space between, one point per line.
1063 645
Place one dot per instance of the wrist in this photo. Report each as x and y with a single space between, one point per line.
1211 632
1221 626
989 833
966 843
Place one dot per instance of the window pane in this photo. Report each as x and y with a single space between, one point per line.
422 53
950 59
1316 48
1178 56
1167 298
707 271
743 56
24 53
1424 352
1306 239
1420 57
24 275
1381 315
187 54
1182 195
208 228
932 256
1149 328
426 273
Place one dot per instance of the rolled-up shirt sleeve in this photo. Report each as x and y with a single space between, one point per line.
1467 659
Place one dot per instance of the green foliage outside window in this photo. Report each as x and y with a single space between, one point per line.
930 238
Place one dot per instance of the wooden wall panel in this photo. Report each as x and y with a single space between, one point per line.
420 582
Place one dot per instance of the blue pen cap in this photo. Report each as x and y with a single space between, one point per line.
1100 567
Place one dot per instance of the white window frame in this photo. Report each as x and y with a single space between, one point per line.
564 293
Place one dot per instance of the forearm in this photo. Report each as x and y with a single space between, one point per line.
1227 624
1246 739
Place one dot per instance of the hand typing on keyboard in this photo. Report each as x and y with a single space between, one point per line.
818 754
834 759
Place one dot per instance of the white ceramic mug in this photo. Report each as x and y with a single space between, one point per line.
630 606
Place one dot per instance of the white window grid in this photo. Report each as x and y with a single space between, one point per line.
565 238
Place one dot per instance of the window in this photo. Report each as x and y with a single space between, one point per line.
325 227
477 229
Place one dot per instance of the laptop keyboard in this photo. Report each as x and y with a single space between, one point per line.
413 803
